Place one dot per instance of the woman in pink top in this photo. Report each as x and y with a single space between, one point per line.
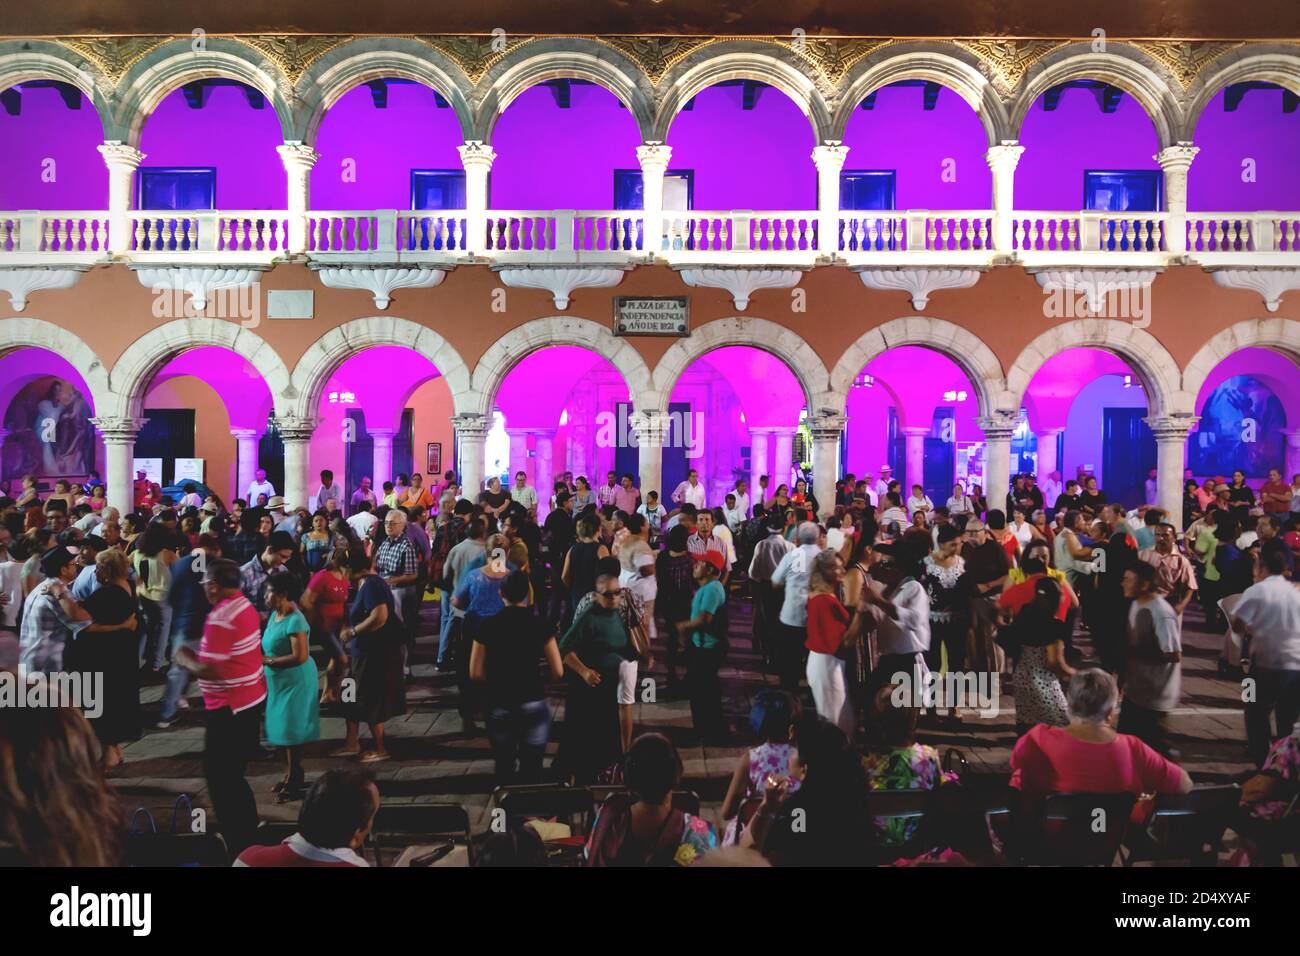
1088 756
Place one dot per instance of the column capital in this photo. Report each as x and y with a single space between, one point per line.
654 154
1049 432
827 427
1171 428
245 433
119 155
471 427
1005 156
651 426
293 429
1177 157
381 432
830 156
298 156
915 431
999 426
476 153
118 431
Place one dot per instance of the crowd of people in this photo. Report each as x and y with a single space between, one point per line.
860 605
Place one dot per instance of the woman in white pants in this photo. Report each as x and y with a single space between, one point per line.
831 630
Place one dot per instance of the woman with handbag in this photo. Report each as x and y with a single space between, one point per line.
375 641
832 630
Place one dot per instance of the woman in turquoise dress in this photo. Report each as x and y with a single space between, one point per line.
292 694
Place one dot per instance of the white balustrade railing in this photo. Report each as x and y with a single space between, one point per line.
735 236
261 233
79 234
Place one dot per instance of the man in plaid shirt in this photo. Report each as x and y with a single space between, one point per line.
254 572
397 561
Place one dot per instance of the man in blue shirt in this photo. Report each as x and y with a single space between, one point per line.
190 608
706 648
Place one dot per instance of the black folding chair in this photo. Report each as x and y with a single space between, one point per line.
687 801
399 826
1070 829
1185 826
175 850
572 805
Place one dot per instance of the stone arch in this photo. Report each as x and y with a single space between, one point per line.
950 67
25 333
496 363
324 356
1278 335
43 60
1123 66
961 345
174 64
553 58
759 60
371 58
1139 348
1280 65
784 343
135 368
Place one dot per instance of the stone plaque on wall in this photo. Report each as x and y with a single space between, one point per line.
290 304
652 315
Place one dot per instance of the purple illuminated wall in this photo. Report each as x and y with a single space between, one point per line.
226 133
44 130
1256 130
1074 137
367 154
897 133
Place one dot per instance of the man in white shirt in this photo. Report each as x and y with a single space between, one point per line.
742 499
1152 488
521 492
734 514
690 491
364 521
1051 489
653 512
1269 611
792 575
881 487
328 490
919 501
260 486
190 499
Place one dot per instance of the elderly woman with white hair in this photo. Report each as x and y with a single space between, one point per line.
792 575
1088 755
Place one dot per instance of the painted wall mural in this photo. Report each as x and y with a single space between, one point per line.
1241 427
49 431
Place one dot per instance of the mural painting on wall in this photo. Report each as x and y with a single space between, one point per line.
1241 427
49 431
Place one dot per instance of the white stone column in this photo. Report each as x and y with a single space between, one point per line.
826 431
296 434
758 459
829 160
1002 160
246 440
914 443
1292 463
653 158
1047 462
471 436
544 470
1171 451
998 431
782 457
119 445
298 159
381 457
122 162
477 158
1174 162
651 426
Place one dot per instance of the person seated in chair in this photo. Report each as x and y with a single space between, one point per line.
333 824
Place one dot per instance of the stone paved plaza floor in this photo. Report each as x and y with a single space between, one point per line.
434 762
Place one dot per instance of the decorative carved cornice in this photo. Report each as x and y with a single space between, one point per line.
1182 59
656 55
113 56
475 55
294 55
1007 61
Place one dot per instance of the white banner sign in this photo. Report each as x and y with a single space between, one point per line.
188 469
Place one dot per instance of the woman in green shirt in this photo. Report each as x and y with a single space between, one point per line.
292 695
593 647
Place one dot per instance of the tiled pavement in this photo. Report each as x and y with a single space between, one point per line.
434 762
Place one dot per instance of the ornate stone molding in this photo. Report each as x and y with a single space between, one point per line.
1095 284
920 283
196 281
380 281
1000 426
1271 284
294 429
20 283
651 426
560 281
471 426
741 282
827 426
1173 428
118 431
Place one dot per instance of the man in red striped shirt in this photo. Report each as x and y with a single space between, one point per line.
229 670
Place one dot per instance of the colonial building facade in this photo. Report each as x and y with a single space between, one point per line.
999 287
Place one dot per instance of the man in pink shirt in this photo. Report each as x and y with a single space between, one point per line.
229 669
626 497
